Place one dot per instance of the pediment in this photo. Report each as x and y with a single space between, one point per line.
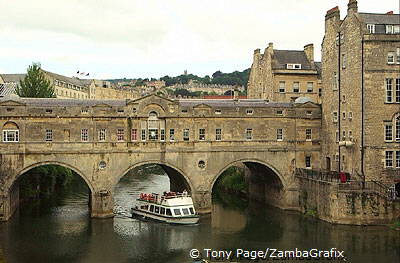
202 106
11 103
151 99
308 104
102 105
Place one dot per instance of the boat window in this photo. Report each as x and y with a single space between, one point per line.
185 211
177 212
169 212
162 211
152 208
157 209
191 210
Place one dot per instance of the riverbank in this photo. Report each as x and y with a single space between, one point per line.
233 182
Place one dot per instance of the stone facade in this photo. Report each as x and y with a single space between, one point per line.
285 75
356 67
102 141
210 88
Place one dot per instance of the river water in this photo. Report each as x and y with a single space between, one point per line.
61 231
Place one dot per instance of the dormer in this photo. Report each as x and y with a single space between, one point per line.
293 66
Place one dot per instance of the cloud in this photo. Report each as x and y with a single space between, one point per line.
136 38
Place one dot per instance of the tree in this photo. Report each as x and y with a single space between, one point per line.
35 84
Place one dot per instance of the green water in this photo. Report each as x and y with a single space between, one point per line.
60 230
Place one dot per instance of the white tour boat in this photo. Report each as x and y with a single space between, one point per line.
171 207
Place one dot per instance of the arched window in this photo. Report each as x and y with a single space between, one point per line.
153 126
10 132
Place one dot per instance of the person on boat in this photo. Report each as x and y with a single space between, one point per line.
184 193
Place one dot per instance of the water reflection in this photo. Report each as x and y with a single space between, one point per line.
63 232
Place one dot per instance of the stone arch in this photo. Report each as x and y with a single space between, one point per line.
162 163
10 125
271 167
66 165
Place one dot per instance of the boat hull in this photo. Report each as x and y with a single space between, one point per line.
186 220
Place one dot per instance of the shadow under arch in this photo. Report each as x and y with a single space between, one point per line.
244 161
178 180
38 164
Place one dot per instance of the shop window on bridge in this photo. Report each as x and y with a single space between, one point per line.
162 135
202 134
48 135
279 135
84 135
102 135
120 135
143 135
153 126
389 159
249 134
134 135
171 135
397 159
10 132
218 134
186 134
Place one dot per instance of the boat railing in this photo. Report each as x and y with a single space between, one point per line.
157 198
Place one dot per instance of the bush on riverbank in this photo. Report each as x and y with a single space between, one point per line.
396 225
233 180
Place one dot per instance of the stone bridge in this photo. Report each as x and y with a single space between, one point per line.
194 141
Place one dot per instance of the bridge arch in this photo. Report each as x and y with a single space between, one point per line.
244 161
38 164
173 172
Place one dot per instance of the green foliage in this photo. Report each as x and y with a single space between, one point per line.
311 213
233 179
396 225
42 181
35 84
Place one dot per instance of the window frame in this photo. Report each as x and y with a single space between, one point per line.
84 135
172 135
120 134
134 134
389 90
6 137
388 133
388 159
202 134
282 87
307 162
48 136
248 134
310 84
218 134
279 134
391 55
308 134
296 83
102 135
186 135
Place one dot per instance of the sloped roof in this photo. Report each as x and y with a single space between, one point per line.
7 89
75 81
386 19
70 102
318 67
12 78
232 103
283 57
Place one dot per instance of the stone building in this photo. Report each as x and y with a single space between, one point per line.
361 94
285 75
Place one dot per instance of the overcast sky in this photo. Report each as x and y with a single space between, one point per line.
153 38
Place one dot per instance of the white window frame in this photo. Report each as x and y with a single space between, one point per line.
388 132
218 111
397 90
84 135
120 134
337 136
344 61
350 115
310 87
397 128
389 159
389 29
307 162
343 135
143 135
335 81
186 135
391 58
344 115
134 134
296 86
371 28
279 134
335 116
350 133
389 90
249 111
162 135
397 159
15 135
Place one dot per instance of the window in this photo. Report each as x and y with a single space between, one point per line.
371 28
162 210
184 111
218 134
396 29
344 62
296 86
151 208
249 134
84 135
156 209
218 111
202 134
308 134
120 135
249 111
343 98
310 87
168 212
397 123
335 116
177 212
388 132
191 210
308 161
389 159
171 135
279 112
397 94
397 159
337 136
293 66
84 110
309 112
185 211
350 136
102 135
350 115
389 29
49 135
102 165
49 111
10 135
279 134
153 134
143 135
398 56
162 135
281 86
343 135
186 134
390 58
344 115
389 90
134 135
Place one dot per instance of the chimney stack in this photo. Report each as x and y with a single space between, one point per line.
352 7
309 50
390 13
